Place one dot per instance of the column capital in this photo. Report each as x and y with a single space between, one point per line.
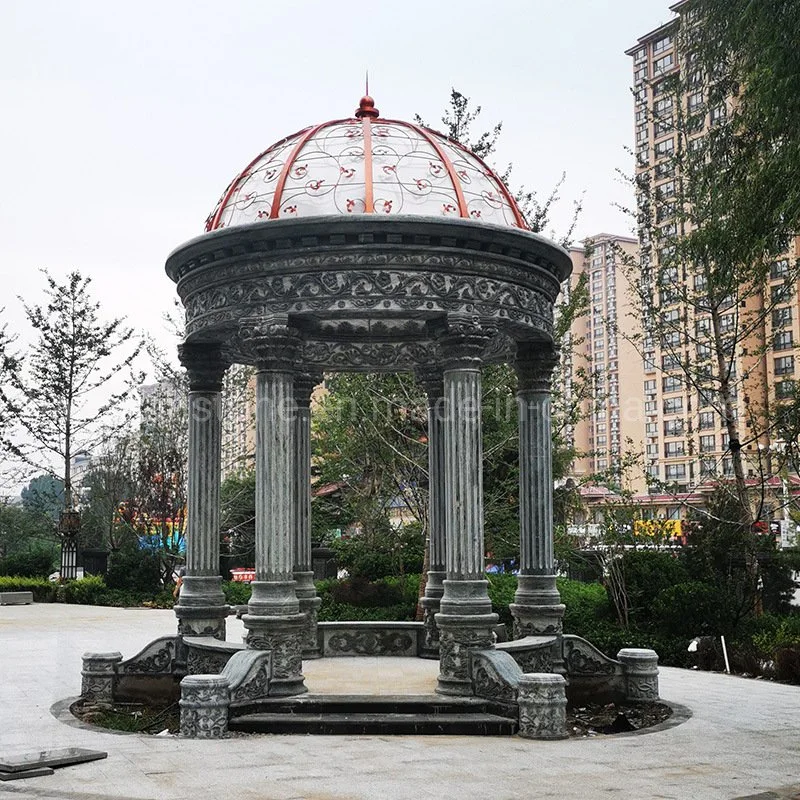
431 378
463 343
534 365
304 385
204 364
271 342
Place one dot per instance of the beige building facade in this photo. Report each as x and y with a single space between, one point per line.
686 440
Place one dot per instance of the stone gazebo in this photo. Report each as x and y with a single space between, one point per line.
368 244
371 245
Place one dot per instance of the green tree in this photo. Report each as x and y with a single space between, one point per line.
44 495
64 394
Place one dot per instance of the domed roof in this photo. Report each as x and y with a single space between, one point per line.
366 165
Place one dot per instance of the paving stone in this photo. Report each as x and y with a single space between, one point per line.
49 758
25 773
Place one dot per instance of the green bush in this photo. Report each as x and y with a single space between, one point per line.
88 591
43 590
39 561
386 599
691 609
237 593
134 570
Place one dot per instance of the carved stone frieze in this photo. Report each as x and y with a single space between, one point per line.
582 658
363 291
371 643
368 355
455 645
205 662
156 657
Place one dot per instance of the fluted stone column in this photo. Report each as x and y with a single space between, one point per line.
201 608
304 384
432 380
273 620
465 620
537 607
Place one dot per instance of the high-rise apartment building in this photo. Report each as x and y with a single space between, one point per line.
601 345
686 440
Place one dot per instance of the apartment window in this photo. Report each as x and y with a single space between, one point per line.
783 340
652 471
781 317
660 45
780 269
664 64
602 441
702 327
641 134
674 450
663 106
665 211
666 190
639 55
673 405
663 126
708 466
665 148
700 283
781 294
671 383
671 317
675 472
668 231
703 351
651 429
784 389
704 399
665 169
670 361
718 114
706 420
671 339
641 116
650 386
640 73
652 450
673 427
727 467
784 365
708 444
727 322
695 102
650 407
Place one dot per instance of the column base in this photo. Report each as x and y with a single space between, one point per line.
201 608
282 635
457 636
465 623
273 599
309 607
431 602
537 608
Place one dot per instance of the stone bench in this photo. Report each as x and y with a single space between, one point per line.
16 598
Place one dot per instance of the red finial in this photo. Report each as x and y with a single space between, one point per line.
366 108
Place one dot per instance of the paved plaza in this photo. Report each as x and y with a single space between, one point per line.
742 740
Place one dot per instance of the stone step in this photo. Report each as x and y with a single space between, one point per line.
356 723
369 704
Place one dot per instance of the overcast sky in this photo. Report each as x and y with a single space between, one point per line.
122 122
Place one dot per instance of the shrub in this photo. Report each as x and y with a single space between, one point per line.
88 591
134 570
43 590
237 593
37 562
691 609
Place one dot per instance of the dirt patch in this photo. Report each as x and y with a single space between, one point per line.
613 718
131 717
